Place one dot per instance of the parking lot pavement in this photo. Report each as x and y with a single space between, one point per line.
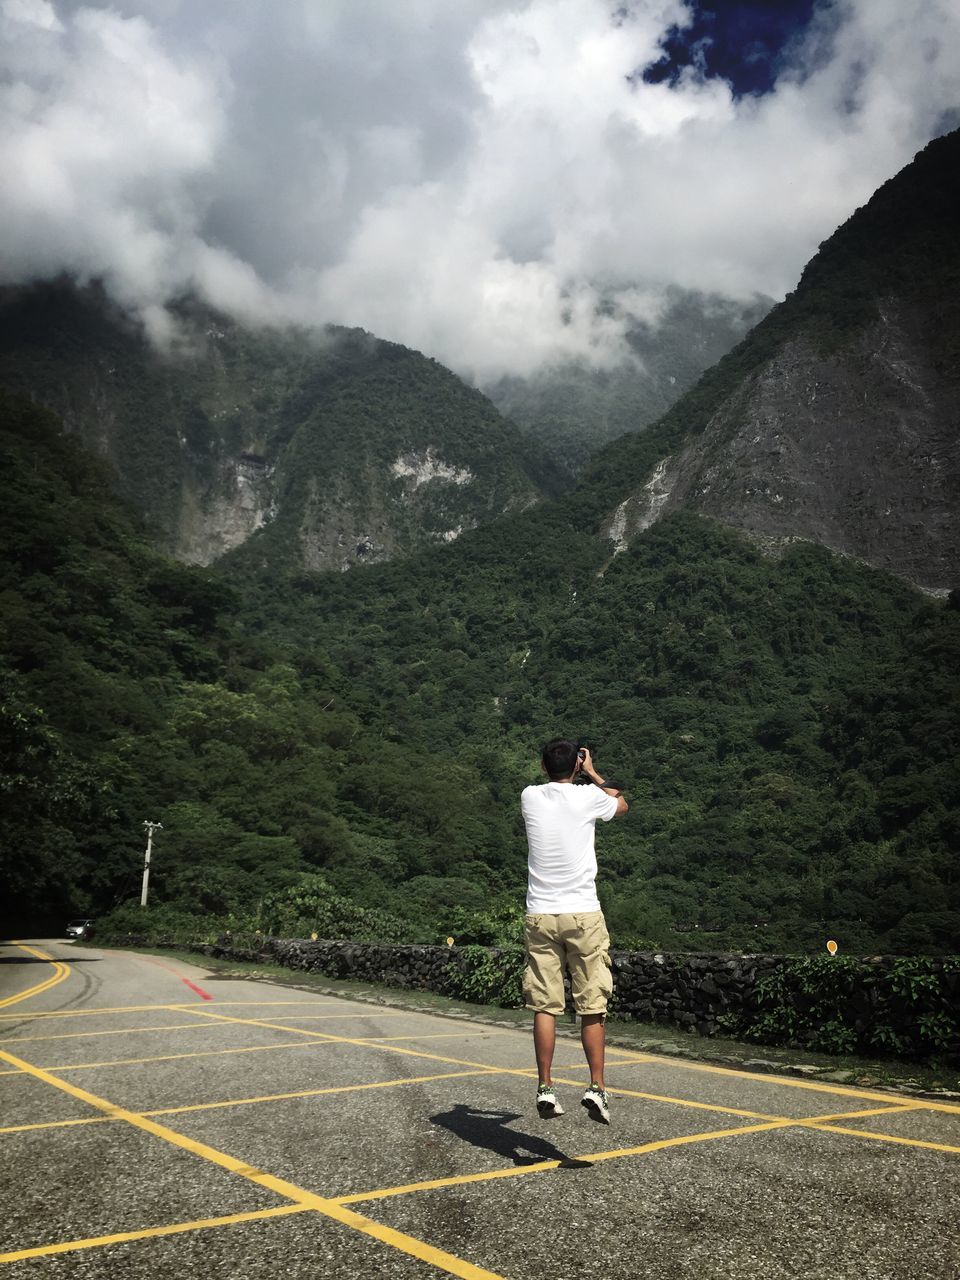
154 1118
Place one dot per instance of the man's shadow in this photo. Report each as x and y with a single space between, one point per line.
488 1129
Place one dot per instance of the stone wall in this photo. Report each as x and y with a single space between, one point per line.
688 991
870 1004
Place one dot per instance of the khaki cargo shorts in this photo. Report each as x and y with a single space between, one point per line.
578 942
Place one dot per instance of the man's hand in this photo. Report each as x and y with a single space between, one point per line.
588 770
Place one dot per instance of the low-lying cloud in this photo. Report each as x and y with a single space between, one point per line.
471 179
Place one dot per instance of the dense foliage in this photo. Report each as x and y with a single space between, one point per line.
315 420
786 730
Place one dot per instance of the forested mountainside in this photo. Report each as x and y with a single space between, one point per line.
836 419
345 751
572 410
321 449
786 729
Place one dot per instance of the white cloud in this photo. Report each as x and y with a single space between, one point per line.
467 179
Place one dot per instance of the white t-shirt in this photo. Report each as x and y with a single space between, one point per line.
562 863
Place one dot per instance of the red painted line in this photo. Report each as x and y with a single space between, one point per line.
199 990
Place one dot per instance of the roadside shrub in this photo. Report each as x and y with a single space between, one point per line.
484 976
846 1005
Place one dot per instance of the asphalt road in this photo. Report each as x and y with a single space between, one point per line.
157 1120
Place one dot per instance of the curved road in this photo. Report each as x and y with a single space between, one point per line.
155 1118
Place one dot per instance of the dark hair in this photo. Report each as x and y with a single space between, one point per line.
559 758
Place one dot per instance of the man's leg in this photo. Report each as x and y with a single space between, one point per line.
544 1042
543 995
593 1039
588 955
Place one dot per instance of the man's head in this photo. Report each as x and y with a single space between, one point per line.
560 759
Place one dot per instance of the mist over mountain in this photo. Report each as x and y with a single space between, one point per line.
572 409
320 449
836 419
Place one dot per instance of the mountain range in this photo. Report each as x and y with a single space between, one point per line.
786 724
836 419
332 447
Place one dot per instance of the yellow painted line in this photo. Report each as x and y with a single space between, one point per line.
885 1137
892 1103
154 1008
368 1042
893 1109
315 1093
433 1035
54 1124
522 1170
121 1031
60 972
212 1053
241 1102
193 1027
466 1062
171 1057
121 1237
279 1186
329 1017
618 1153
813 1086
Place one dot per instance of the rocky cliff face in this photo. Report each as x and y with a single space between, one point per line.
844 428
304 450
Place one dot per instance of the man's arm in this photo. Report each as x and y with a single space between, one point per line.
588 771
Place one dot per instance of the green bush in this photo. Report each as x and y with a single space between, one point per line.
845 1005
483 976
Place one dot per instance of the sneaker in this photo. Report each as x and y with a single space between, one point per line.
547 1104
595 1101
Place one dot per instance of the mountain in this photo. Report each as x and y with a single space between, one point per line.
314 449
327 747
571 410
787 727
836 419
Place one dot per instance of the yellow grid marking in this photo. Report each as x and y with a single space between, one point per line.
54 1124
888 1102
329 1017
121 1031
782 1081
405 1243
241 1102
121 1237
279 1186
646 1148
171 1057
60 971
177 1026
889 1137
257 1048
316 1093
153 1008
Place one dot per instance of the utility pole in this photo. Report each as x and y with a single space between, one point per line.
151 828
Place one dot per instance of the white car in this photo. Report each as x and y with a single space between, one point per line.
80 930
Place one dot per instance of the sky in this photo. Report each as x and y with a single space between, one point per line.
502 184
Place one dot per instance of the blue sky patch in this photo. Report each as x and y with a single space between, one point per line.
741 41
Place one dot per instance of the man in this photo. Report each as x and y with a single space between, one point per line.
564 924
